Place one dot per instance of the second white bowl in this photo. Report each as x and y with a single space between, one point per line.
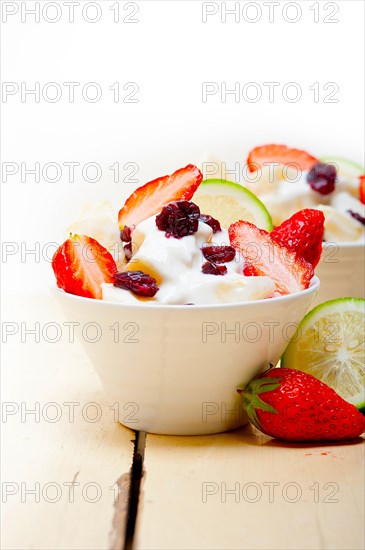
341 271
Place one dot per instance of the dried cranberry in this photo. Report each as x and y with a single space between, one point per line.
212 269
179 219
137 282
357 216
322 177
219 254
128 251
126 234
212 222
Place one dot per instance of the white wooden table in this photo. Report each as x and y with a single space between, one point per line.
66 467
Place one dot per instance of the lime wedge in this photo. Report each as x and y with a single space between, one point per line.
345 167
330 344
229 202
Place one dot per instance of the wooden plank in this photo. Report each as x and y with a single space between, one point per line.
242 490
71 451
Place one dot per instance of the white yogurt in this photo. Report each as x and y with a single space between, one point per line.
176 265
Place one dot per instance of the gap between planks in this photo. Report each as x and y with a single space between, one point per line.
126 506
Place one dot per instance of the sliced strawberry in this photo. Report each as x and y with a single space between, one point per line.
265 154
153 196
302 234
362 188
289 272
81 265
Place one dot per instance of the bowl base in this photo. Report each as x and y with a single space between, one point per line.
202 429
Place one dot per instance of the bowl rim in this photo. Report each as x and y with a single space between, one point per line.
313 287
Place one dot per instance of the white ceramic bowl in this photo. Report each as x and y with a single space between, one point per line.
175 369
341 271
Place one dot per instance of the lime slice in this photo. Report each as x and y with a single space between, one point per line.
345 167
330 344
229 202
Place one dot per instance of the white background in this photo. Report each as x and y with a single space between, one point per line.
169 52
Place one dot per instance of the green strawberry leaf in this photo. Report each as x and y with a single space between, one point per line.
252 415
252 400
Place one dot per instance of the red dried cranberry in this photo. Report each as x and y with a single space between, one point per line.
126 234
357 216
219 254
212 222
212 269
137 282
128 251
179 219
322 177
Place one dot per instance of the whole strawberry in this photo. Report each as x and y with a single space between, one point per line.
292 405
302 234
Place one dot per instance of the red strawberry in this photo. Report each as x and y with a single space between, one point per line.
302 234
279 153
265 257
362 188
250 271
81 265
294 406
153 196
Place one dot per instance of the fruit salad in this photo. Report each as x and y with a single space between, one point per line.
171 252
287 180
